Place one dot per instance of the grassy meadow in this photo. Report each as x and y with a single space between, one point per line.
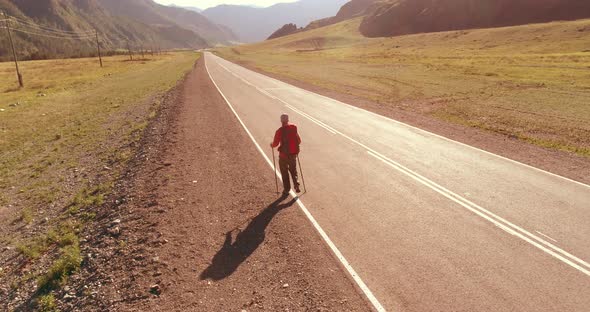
64 138
531 82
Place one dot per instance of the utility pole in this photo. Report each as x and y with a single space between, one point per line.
153 45
142 53
98 47
20 77
129 49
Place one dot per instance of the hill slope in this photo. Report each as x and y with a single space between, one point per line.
286 30
150 25
350 10
256 24
152 13
399 17
527 82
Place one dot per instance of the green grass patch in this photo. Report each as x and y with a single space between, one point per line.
46 303
34 248
26 215
57 276
89 197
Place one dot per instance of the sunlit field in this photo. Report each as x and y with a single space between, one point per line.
71 121
530 82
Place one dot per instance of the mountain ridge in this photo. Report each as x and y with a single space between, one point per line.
402 17
386 18
256 24
158 27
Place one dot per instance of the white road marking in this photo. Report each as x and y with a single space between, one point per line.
489 216
547 236
288 86
263 91
319 123
364 288
503 224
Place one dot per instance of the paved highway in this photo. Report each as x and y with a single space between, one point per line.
427 223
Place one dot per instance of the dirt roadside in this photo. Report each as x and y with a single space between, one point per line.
558 162
197 226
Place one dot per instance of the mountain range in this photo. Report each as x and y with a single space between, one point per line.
253 24
400 17
386 18
139 23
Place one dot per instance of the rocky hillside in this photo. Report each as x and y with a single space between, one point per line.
253 24
152 13
400 17
286 30
141 23
350 10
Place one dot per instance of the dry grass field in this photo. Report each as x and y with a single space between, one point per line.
529 82
64 140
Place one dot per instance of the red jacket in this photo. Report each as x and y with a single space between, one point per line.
291 138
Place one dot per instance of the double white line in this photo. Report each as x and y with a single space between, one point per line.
500 222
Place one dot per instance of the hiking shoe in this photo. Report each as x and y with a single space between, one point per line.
297 189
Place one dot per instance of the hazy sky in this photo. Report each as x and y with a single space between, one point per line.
203 4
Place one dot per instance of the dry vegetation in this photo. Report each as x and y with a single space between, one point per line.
64 139
529 82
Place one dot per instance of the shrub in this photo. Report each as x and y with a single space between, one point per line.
57 276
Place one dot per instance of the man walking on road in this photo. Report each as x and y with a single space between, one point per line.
289 141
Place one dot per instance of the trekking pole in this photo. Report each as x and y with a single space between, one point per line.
301 170
275 171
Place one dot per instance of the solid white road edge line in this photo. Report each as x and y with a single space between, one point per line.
366 291
507 226
410 126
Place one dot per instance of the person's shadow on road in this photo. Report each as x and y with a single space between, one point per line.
231 255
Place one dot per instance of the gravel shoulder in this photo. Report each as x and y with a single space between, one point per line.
197 225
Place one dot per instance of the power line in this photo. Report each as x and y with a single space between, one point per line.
51 36
48 28
53 31
43 31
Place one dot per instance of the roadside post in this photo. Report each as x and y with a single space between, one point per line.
275 170
19 76
98 47
302 178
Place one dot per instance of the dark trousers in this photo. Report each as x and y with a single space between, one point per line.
289 165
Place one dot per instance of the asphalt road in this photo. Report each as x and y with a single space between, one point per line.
428 224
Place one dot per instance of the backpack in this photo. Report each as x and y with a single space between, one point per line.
285 147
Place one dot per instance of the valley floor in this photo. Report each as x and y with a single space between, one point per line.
520 92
